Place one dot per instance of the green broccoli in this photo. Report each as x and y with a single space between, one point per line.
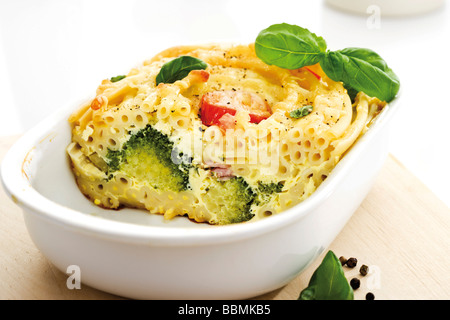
266 190
232 200
148 156
270 188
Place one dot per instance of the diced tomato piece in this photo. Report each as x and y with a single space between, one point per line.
214 105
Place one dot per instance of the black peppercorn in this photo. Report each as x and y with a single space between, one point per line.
364 270
351 263
370 296
343 260
355 283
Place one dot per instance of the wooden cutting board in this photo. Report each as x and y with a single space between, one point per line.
401 231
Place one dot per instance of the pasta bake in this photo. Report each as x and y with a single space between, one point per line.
231 141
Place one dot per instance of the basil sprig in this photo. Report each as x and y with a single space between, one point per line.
328 282
179 68
292 47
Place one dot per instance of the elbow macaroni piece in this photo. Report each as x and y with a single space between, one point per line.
298 153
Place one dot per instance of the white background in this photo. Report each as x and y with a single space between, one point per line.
54 51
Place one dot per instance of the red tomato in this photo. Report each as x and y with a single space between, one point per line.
314 74
214 105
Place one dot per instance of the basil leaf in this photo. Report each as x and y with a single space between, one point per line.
289 46
362 70
117 78
371 57
328 282
300 112
179 68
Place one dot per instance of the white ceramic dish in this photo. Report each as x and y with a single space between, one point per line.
138 255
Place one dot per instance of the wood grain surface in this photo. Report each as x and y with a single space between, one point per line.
401 231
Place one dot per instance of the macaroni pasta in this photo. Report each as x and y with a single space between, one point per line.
291 156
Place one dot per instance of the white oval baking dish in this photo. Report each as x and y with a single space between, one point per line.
138 255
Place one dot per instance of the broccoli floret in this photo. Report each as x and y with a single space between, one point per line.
266 190
148 156
270 188
232 200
